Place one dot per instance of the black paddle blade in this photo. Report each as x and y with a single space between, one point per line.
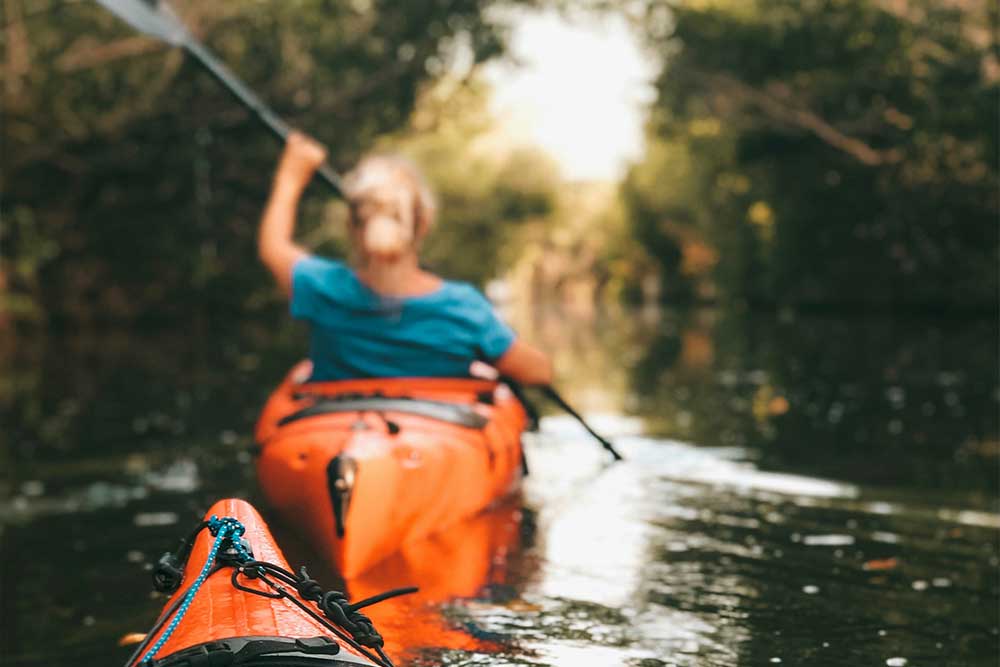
153 17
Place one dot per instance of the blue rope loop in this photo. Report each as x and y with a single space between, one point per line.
236 531
227 532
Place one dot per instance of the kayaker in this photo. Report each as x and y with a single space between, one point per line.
383 316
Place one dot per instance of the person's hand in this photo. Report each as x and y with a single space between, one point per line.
302 157
483 371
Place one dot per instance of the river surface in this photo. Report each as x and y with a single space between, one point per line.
798 490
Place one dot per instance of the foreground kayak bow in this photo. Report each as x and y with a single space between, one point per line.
235 603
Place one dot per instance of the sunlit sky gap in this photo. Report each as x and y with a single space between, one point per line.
578 89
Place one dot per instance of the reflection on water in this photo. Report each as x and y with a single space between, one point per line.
803 491
878 400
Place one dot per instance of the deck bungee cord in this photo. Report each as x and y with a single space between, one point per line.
229 550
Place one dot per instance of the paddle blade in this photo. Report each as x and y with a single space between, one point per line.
153 17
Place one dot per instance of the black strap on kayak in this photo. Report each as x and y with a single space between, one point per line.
334 604
340 493
342 617
169 570
459 414
259 652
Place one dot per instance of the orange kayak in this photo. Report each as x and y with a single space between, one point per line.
461 561
235 602
362 467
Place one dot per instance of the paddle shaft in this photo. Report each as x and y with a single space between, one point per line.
554 396
249 99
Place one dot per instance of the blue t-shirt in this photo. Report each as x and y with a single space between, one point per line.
357 333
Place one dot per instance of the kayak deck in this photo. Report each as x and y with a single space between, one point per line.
234 601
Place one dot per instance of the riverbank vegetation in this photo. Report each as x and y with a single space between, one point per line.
839 153
833 154
132 182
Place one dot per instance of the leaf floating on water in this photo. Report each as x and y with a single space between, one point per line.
131 638
521 605
514 605
880 565
767 403
778 406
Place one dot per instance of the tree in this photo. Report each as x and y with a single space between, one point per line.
837 152
491 194
133 182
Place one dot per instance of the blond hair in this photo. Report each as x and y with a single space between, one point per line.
386 236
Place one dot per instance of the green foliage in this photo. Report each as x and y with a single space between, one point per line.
133 182
487 192
833 152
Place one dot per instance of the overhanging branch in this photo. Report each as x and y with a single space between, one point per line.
785 112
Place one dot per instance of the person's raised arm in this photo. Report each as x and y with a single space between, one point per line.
275 239
525 364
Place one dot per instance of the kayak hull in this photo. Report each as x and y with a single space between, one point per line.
460 561
391 461
221 617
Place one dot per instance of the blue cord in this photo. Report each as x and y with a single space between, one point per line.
226 527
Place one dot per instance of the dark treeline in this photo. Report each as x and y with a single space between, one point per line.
133 182
800 152
878 400
823 152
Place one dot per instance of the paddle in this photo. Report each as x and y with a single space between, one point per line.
554 396
550 392
156 19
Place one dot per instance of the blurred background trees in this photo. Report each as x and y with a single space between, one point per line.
838 153
133 183
800 152
488 189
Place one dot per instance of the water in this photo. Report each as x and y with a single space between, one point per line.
797 491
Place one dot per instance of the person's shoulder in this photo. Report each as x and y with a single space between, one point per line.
466 302
314 275
464 292
316 265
